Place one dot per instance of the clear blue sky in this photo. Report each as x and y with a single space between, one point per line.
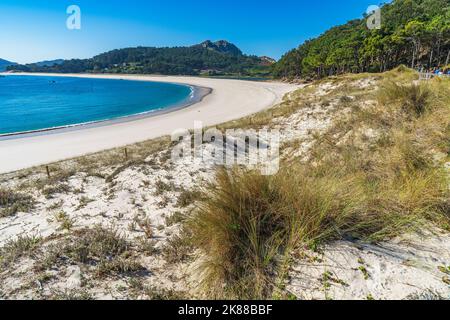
34 30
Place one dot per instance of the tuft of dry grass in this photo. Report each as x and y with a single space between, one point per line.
249 222
70 295
106 251
50 191
18 248
187 197
162 187
413 98
153 293
12 202
176 218
178 248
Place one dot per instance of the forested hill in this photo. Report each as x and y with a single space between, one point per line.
413 32
211 58
4 64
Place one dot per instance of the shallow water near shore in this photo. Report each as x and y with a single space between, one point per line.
34 103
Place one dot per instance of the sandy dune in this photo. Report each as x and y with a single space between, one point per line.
230 99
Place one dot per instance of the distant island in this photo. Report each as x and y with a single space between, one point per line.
220 58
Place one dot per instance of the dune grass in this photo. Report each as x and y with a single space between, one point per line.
355 185
249 221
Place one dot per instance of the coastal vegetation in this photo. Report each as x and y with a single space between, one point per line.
415 33
378 172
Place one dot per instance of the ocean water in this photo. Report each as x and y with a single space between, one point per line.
29 103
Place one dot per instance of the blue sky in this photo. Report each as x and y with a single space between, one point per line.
35 30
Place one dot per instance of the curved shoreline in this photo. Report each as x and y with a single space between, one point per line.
228 100
199 93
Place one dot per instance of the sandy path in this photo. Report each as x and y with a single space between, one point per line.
230 99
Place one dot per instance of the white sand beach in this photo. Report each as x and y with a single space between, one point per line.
230 99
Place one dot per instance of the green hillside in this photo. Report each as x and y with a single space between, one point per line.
207 58
5 64
413 32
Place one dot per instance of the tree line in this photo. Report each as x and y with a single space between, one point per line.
413 32
195 60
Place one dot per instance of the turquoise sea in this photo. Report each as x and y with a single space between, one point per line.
29 103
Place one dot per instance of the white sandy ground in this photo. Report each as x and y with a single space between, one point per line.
229 100
403 268
407 267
